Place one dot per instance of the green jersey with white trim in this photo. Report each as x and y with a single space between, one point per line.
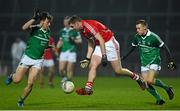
149 48
37 43
65 35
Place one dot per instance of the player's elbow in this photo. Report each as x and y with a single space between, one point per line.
24 28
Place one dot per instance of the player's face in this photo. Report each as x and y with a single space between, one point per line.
46 23
141 30
76 26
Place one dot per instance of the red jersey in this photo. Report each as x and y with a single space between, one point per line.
48 54
92 27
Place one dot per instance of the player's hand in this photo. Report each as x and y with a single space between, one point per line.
36 14
104 60
171 65
84 63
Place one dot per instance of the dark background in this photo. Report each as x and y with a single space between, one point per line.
163 17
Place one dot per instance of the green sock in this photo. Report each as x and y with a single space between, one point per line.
153 92
159 83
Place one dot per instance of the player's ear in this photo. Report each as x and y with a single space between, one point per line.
145 28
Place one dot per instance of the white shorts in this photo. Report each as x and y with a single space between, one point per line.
112 50
68 56
27 62
48 63
149 67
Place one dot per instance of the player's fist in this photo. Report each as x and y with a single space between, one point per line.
84 63
171 65
104 60
36 14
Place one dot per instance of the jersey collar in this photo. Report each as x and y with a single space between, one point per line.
68 29
43 30
148 34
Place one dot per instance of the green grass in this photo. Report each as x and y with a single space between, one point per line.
110 93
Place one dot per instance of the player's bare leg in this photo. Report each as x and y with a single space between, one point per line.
62 65
70 68
41 78
17 76
27 90
95 62
117 66
51 76
149 77
119 70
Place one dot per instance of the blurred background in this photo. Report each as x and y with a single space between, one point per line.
163 17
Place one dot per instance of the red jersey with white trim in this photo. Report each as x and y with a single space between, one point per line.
92 27
48 53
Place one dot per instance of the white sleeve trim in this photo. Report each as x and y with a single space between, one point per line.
133 44
162 43
90 28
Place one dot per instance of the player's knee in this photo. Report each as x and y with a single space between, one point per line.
92 67
16 80
149 82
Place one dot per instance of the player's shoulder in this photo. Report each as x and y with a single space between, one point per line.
61 30
49 30
136 35
154 34
35 27
72 30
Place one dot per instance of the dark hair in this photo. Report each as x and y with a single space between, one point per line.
74 19
44 15
142 22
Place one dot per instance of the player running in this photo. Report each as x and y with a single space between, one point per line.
32 58
149 45
67 44
48 63
106 49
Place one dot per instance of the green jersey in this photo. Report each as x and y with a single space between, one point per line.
37 43
149 48
65 35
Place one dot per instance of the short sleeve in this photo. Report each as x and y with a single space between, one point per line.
34 28
158 41
92 29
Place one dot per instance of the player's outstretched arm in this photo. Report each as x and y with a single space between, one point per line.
171 62
167 51
101 42
90 48
85 62
103 50
29 23
130 51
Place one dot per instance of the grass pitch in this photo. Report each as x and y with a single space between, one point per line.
110 93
